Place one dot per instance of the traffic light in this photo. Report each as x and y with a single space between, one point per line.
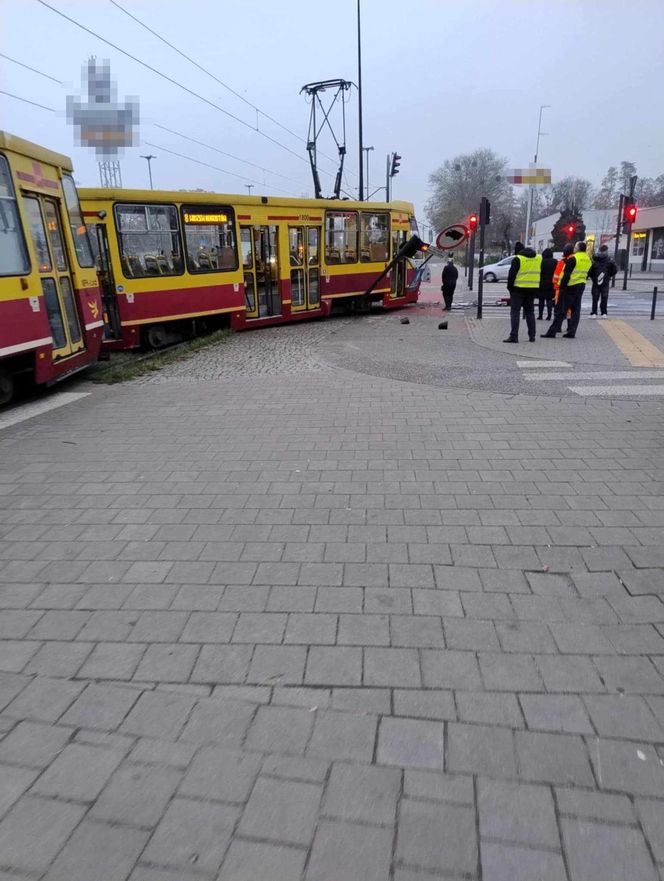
570 229
629 214
396 162
472 222
411 247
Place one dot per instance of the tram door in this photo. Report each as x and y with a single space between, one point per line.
112 328
56 280
304 256
398 274
260 264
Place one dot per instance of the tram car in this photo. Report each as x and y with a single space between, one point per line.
172 264
51 317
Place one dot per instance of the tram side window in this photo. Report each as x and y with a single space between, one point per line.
79 231
209 237
374 237
13 252
149 240
340 237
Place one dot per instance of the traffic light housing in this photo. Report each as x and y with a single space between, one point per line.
629 214
472 222
570 229
396 162
411 247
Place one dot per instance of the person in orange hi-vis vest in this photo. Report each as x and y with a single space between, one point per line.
559 307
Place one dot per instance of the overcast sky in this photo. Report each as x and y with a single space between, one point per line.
440 78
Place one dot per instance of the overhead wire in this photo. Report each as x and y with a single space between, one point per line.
170 79
27 101
33 69
214 77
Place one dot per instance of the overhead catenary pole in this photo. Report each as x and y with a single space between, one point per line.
149 159
359 98
531 188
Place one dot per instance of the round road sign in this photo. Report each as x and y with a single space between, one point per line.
451 237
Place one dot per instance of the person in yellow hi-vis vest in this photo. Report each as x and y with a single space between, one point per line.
572 284
523 284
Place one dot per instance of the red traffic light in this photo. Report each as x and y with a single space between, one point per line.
630 213
570 229
472 222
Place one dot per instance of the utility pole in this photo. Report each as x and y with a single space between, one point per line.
249 188
149 159
628 201
485 207
359 91
621 205
366 185
531 188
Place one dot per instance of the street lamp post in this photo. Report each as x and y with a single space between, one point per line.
366 150
149 159
359 98
531 192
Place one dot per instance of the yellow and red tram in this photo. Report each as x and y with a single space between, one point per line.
51 320
173 261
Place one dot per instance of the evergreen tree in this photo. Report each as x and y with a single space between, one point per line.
559 232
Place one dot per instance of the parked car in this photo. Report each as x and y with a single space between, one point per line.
497 271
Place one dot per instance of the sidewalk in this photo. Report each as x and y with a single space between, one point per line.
319 624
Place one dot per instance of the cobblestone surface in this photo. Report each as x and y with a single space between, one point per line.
327 624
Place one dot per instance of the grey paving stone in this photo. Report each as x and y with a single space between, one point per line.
424 703
343 851
362 793
553 712
79 772
435 786
55 624
158 714
569 673
339 599
13 783
249 860
112 661
244 598
192 833
392 667
285 598
417 575
287 768
160 752
217 722
44 700
292 696
146 873
58 658
502 862
11 684
595 805
167 663
631 675
281 810
260 627
437 602
496 708
609 853
481 749
280 729
15 654
411 743
222 664
633 768
277 665
633 639
137 794
470 635
518 813
487 606
651 814
623 716
343 736
334 666
208 627
450 669
158 626
505 672
457 578
364 630
365 574
221 775
319 574
417 632
34 830
307 629
438 837
33 744
525 636
553 758
101 706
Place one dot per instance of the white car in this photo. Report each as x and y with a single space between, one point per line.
497 271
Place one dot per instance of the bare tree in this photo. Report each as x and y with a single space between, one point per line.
571 195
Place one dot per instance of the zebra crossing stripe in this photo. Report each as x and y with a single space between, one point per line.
606 391
598 375
536 364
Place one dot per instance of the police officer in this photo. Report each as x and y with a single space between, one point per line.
523 284
450 276
572 284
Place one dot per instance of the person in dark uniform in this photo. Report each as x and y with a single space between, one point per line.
450 276
572 284
523 283
601 273
546 284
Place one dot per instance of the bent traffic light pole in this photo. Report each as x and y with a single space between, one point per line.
408 249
